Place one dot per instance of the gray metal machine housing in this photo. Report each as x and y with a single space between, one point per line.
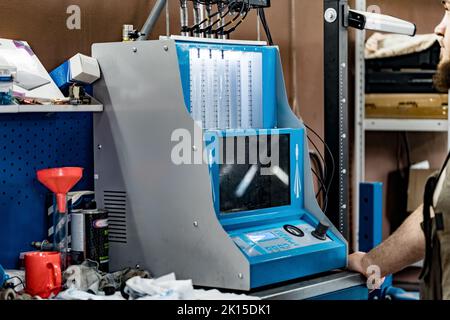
162 215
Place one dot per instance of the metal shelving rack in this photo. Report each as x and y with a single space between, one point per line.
406 125
95 106
363 125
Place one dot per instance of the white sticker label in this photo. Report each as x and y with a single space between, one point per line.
101 223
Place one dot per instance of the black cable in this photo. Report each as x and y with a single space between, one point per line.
333 163
197 26
262 17
321 184
317 150
319 164
210 2
208 29
20 284
219 31
320 178
320 159
319 154
229 31
408 150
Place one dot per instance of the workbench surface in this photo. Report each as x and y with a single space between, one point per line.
311 288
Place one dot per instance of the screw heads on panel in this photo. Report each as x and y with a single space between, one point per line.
330 15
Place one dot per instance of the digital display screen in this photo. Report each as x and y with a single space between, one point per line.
254 173
264 236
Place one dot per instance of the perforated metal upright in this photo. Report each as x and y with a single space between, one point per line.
336 110
359 154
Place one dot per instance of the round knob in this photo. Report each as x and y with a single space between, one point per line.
294 231
321 231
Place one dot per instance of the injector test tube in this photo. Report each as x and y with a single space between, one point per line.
198 18
184 18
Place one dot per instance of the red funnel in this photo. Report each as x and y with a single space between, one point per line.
60 181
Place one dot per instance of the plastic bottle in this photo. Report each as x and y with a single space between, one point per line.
6 85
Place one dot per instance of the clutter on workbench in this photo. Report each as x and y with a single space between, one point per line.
77 95
24 80
10 284
89 233
85 282
31 80
89 278
6 84
60 181
44 245
80 70
76 200
43 273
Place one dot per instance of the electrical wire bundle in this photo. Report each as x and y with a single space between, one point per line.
215 23
323 172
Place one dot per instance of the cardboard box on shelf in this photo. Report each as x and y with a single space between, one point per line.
416 187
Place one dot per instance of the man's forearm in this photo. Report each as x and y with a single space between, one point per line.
404 247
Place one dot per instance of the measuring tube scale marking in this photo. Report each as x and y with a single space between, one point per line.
226 88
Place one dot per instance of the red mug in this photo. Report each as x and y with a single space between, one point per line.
43 273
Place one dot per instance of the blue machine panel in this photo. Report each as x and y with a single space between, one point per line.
294 174
276 253
264 214
30 142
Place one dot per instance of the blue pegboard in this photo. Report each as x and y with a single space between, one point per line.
30 142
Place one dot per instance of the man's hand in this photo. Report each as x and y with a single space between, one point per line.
356 263
404 247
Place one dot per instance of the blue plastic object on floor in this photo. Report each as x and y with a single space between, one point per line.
3 276
393 293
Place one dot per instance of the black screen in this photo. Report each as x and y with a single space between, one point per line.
243 186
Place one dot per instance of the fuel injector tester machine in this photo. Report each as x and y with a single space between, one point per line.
203 166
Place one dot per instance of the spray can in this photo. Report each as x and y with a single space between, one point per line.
90 237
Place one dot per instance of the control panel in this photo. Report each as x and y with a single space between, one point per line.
279 239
